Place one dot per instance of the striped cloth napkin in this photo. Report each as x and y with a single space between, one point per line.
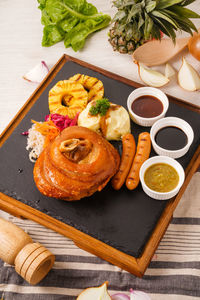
174 272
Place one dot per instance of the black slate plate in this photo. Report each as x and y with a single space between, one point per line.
123 219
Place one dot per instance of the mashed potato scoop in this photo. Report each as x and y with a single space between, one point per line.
113 125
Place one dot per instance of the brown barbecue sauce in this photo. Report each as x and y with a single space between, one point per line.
147 106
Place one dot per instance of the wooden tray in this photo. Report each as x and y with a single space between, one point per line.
133 260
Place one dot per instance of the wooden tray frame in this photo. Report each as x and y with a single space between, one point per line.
136 266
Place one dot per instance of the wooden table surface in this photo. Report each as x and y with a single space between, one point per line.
20 50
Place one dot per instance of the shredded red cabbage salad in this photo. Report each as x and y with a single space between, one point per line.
61 122
24 133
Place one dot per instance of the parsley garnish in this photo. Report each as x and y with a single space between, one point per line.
100 107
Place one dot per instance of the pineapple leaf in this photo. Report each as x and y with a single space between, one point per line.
187 2
119 15
135 32
127 3
141 21
189 24
186 28
184 12
166 28
148 26
118 3
150 5
167 3
180 22
155 32
129 32
182 19
140 1
161 15
120 28
135 9
172 16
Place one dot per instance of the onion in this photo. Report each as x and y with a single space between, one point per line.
120 296
169 71
194 45
138 295
151 77
38 73
24 133
188 78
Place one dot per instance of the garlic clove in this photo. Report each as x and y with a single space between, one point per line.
188 78
151 77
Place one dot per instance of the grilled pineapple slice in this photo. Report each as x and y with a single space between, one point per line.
72 94
93 85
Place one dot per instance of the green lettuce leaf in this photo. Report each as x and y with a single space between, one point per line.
69 23
71 20
51 35
76 37
42 4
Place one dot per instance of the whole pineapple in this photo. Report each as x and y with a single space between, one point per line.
138 21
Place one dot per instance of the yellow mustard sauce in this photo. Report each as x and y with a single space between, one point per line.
161 177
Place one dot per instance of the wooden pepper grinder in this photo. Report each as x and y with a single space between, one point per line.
32 260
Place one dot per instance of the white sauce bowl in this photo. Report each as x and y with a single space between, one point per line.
166 160
176 122
147 91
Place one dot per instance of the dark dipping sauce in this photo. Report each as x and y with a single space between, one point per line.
171 138
147 106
